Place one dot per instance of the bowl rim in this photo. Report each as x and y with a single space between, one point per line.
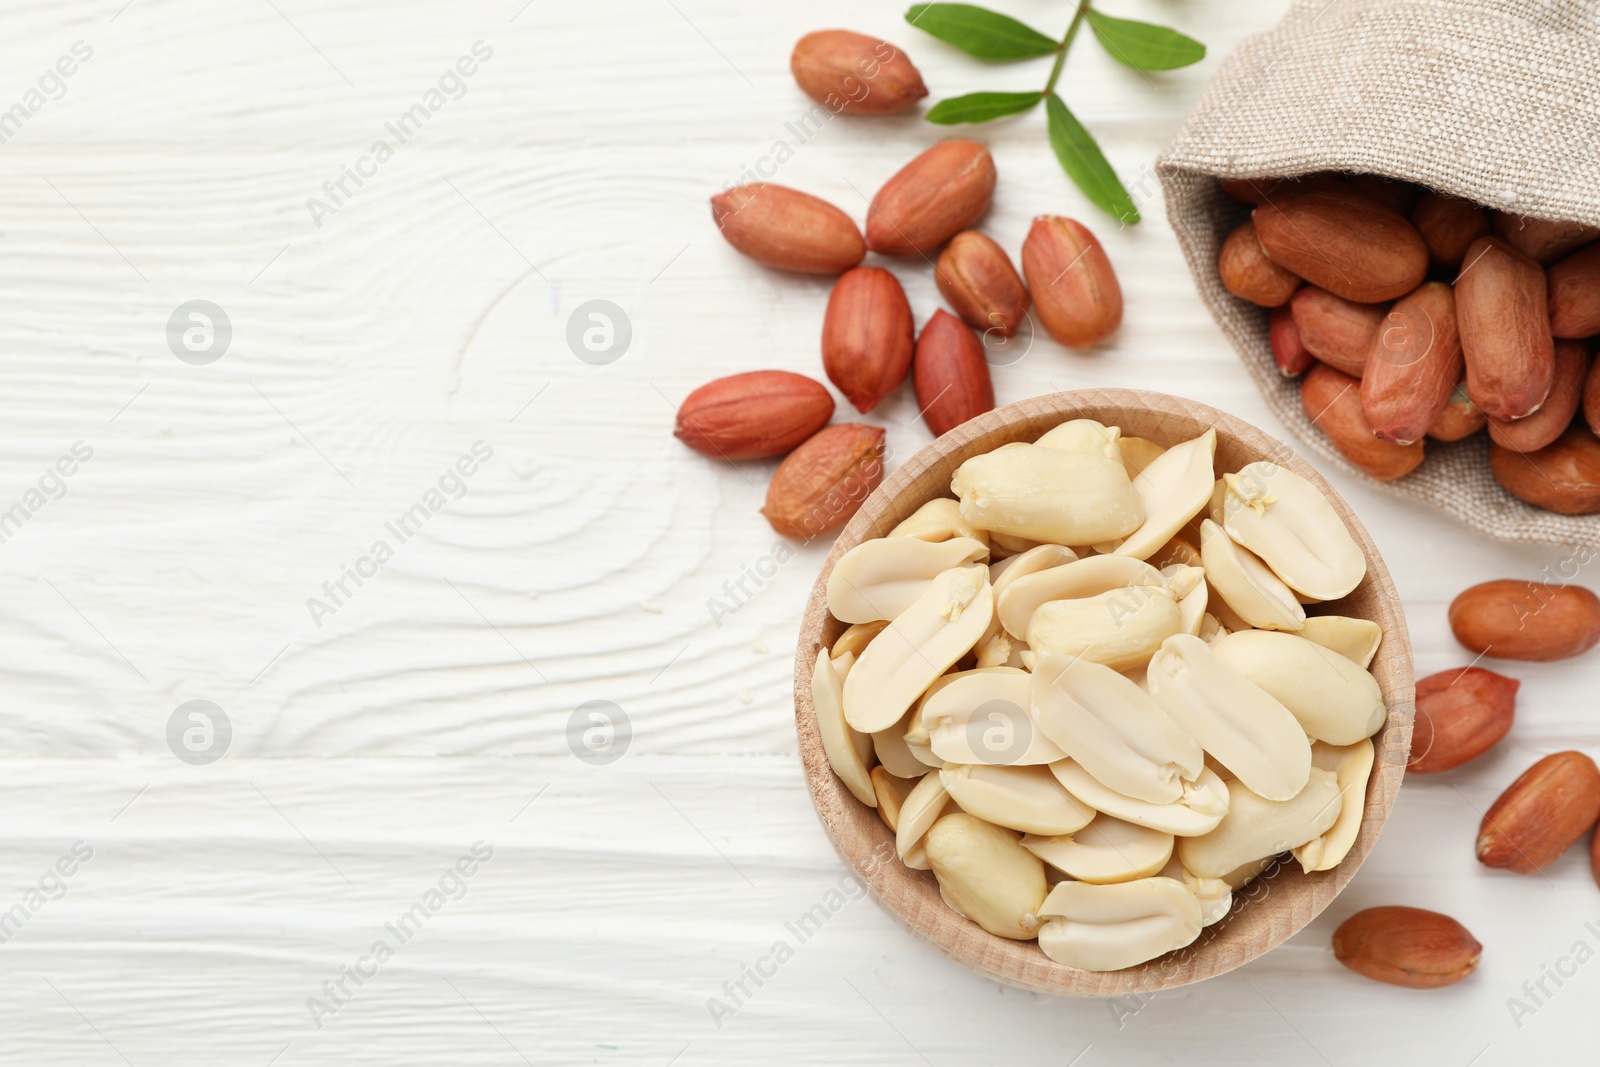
1280 904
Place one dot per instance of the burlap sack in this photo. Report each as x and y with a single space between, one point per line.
1497 101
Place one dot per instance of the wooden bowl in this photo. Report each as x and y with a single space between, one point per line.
1266 912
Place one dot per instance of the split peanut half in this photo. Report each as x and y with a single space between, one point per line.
1351 766
1113 729
1201 808
1108 927
1107 850
1334 699
1239 723
918 646
1256 828
880 579
1028 799
1048 495
1289 524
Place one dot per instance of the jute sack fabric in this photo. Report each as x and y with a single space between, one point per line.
1497 101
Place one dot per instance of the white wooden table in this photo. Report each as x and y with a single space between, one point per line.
376 738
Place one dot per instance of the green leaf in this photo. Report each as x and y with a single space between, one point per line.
980 107
1144 45
1085 164
980 32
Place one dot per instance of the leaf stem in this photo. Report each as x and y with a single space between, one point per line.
1064 47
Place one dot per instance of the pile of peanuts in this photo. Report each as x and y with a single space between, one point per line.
1095 699
1414 315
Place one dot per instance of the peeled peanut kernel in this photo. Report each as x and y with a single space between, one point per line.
1138 454
1122 628
1355 639
1255 827
1242 725
924 753
1351 766
1034 560
918 812
939 520
1028 799
930 705
1048 495
1204 803
1192 614
1021 596
1182 579
890 747
1334 699
849 753
1113 729
855 638
987 875
879 579
984 718
917 647
1211 630
1085 435
1245 584
1173 489
1285 520
1109 927
1214 895
891 792
1107 850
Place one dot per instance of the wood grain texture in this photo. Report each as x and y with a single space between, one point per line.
422 318
1260 920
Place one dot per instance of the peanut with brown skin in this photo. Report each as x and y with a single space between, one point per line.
976 276
931 199
1575 294
821 484
1503 317
1407 947
950 374
1332 401
788 229
1535 621
1461 714
855 74
1449 225
1541 814
1563 476
1533 432
752 415
1288 351
867 336
1459 419
1542 240
1248 274
1337 331
1344 242
1413 364
1075 291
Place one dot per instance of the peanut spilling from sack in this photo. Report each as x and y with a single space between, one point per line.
1416 315
1084 690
